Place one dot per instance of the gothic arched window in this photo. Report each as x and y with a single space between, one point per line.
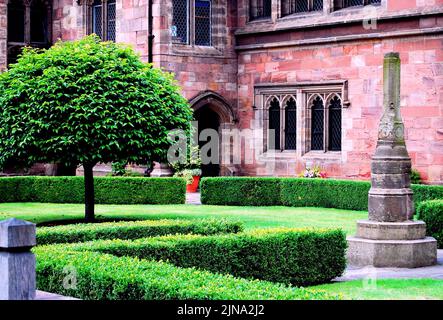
334 124
291 125
274 125
317 124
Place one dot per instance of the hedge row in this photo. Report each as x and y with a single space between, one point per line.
298 192
133 230
290 256
431 212
108 190
95 276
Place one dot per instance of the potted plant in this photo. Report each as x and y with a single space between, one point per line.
189 169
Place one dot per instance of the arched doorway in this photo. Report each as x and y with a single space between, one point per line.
212 111
208 119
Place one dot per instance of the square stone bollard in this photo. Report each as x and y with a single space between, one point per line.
17 262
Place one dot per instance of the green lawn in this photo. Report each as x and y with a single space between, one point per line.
388 289
253 217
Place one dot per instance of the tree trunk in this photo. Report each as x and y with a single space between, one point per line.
89 192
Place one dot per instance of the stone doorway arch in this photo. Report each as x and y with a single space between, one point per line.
212 111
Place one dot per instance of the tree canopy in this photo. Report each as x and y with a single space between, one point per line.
86 102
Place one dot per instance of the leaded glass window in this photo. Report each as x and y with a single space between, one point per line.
97 24
16 21
203 22
289 7
192 22
260 9
103 19
317 127
180 18
335 124
291 125
39 22
340 4
21 32
274 124
111 14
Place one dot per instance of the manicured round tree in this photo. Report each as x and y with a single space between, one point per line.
87 102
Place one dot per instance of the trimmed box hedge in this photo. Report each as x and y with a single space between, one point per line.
290 256
108 190
133 230
298 192
95 276
431 212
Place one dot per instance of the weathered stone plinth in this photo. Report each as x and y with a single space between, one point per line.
392 253
389 238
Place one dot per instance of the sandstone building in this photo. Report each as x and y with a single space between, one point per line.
309 70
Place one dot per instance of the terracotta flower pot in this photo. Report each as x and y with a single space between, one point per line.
193 187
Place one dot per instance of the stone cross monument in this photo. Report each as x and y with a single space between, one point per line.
390 238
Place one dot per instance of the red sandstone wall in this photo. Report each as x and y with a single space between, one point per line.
199 69
361 64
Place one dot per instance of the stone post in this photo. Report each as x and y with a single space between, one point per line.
390 238
17 263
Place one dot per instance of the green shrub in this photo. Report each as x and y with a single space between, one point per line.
108 190
241 191
431 212
133 230
426 192
415 177
290 256
328 193
106 277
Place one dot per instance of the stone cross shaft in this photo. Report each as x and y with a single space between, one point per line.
390 198
17 262
390 238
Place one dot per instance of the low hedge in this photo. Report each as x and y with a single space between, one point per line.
298 192
95 276
431 212
241 191
133 230
108 190
290 256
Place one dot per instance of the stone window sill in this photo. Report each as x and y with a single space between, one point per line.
321 155
195 50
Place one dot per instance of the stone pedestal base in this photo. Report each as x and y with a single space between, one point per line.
392 245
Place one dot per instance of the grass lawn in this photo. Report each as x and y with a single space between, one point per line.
253 217
388 289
